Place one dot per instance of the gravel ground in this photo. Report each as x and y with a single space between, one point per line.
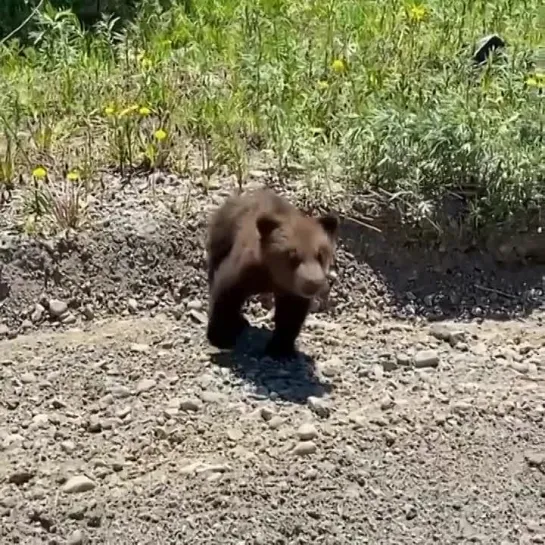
134 431
119 424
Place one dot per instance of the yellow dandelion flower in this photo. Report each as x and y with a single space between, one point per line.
39 173
532 82
73 176
109 110
338 65
323 85
144 110
160 134
418 12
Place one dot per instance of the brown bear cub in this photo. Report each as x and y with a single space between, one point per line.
260 243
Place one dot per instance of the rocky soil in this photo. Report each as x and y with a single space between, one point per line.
414 414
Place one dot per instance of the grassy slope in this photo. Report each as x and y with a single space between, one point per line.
378 93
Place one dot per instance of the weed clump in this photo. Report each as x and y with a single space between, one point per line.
381 95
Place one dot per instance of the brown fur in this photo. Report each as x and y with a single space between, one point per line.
260 243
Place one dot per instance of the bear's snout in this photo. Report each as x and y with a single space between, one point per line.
312 287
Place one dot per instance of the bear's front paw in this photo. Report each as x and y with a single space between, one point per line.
280 349
223 334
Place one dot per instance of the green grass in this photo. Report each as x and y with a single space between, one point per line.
378 94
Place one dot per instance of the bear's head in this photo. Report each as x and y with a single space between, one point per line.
298 251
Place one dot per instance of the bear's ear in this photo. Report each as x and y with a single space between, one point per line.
330 224
266 224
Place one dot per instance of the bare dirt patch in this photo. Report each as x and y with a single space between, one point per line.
130 432
120 425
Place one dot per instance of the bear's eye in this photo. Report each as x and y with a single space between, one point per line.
321 257
294 258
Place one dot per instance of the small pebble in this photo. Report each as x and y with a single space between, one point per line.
68 446
318 406
40 421
94 425
88 312
521 368
21 477
426 358
77 484
75 538
145 385
195 305
387 403
68 318
140 348
535 459
234 434
120 392
28 378
305 448
38 313
190 404
331 367
307 431
266 413
57 308
403 360
275 422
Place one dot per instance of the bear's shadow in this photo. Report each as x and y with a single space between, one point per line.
293 380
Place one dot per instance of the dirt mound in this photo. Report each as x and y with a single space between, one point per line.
143 251
134 430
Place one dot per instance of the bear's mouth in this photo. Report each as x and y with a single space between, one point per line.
315 292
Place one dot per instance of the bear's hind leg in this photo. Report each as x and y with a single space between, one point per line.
290 314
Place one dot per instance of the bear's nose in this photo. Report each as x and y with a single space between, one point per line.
312 286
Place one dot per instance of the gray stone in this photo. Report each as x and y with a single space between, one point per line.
307 431
426 358
403 359
28 378
94 425
535 459
192 405
68 318
304 448
38 313
21 476
120 392
76 538
266 413
140 348
275 422
319 406
88 312
195 305
145 385
68 446
331 367
57 308
78 484
446 333
387 403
